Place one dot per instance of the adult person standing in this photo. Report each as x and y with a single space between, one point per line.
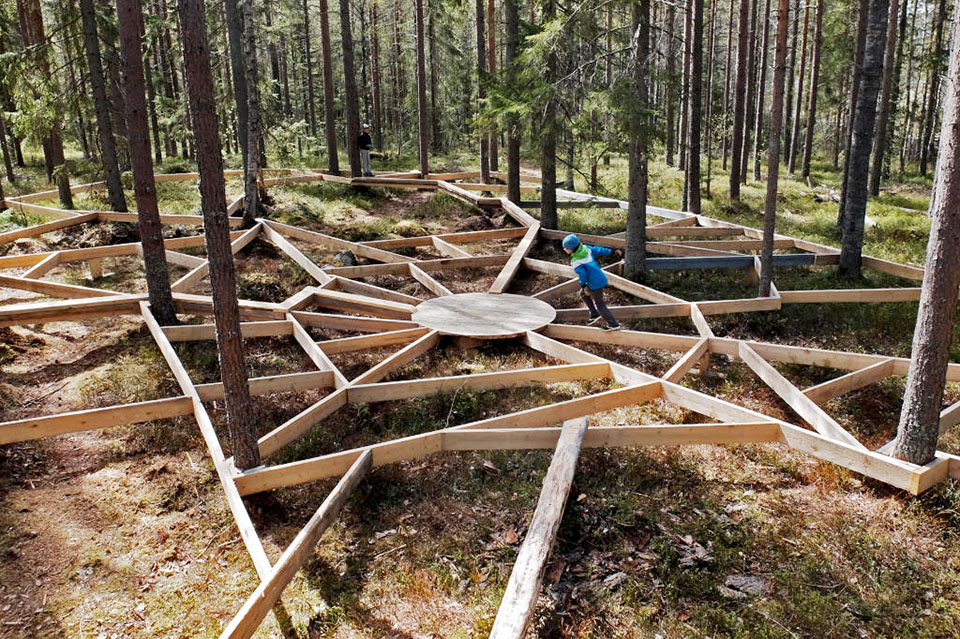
365 144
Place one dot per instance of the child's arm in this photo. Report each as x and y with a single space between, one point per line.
600 251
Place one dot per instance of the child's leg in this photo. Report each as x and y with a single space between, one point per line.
602 307
588 300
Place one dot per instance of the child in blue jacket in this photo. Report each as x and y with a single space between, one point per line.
592 279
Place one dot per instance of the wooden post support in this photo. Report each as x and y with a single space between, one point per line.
520 597
268 592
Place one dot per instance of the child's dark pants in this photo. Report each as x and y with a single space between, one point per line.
593 298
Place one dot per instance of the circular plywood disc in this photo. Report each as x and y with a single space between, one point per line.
484 315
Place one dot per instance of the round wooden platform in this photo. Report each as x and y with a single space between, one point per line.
483 315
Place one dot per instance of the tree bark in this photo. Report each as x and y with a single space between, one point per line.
750 104
795 132
130 18
814 90
695 112
854 98
251 183
233 372
7 160
726 87
638 125
773 154
711 57
108 152
329 107
739 96
670 82
791 67
758 138
375 68
492 63
311 100
880 142
548 134
683 141
436 140
862 139
351 104
926 142
512 42
919 428
235 40
32 35
423 119
481 91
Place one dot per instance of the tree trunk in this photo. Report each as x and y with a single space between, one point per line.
739 96
151 104
482 94
350 102
548 134
880 143
919 428
726 87
492 63
670 81
7 160
435 137
329 107
895 92
814 90
423 120
512 41
685 100
926 141
639 128
130 17
375 68
311 100
711 57
791 68
233 372
235 40
400 91
108 153
750 104
251 183
795 132
862 139
854 98
773 154
31 35
693 137
762 84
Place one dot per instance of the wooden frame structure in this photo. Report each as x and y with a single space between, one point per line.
341 300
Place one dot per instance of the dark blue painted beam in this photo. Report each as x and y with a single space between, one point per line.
733 261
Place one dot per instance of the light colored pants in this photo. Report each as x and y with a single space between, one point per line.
365 163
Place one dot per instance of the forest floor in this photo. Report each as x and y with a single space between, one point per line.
125 532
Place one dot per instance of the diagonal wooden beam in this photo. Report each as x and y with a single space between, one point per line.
245 623
850 382
516 259
428 281
315 353
804 406
398 359
374 340
688 361
520 597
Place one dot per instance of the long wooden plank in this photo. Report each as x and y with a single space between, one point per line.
245 623
77 421
362 303
242 518
628 312
299 425
54 289
520 597
295 254
688 361
69 310
351 322
615 436
334 242
664 341
428 282
417 446
40 229
893 268
806 408
850 382
462 237
446 264
199 332
288 383
43 267
315 353
571 285
406 389
363 288
641 291
376 340
447 248
516 259
859 295
566 353
404 356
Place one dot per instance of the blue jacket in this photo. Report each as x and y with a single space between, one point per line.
583 262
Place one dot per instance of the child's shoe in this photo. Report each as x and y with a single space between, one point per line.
613 328
594 321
